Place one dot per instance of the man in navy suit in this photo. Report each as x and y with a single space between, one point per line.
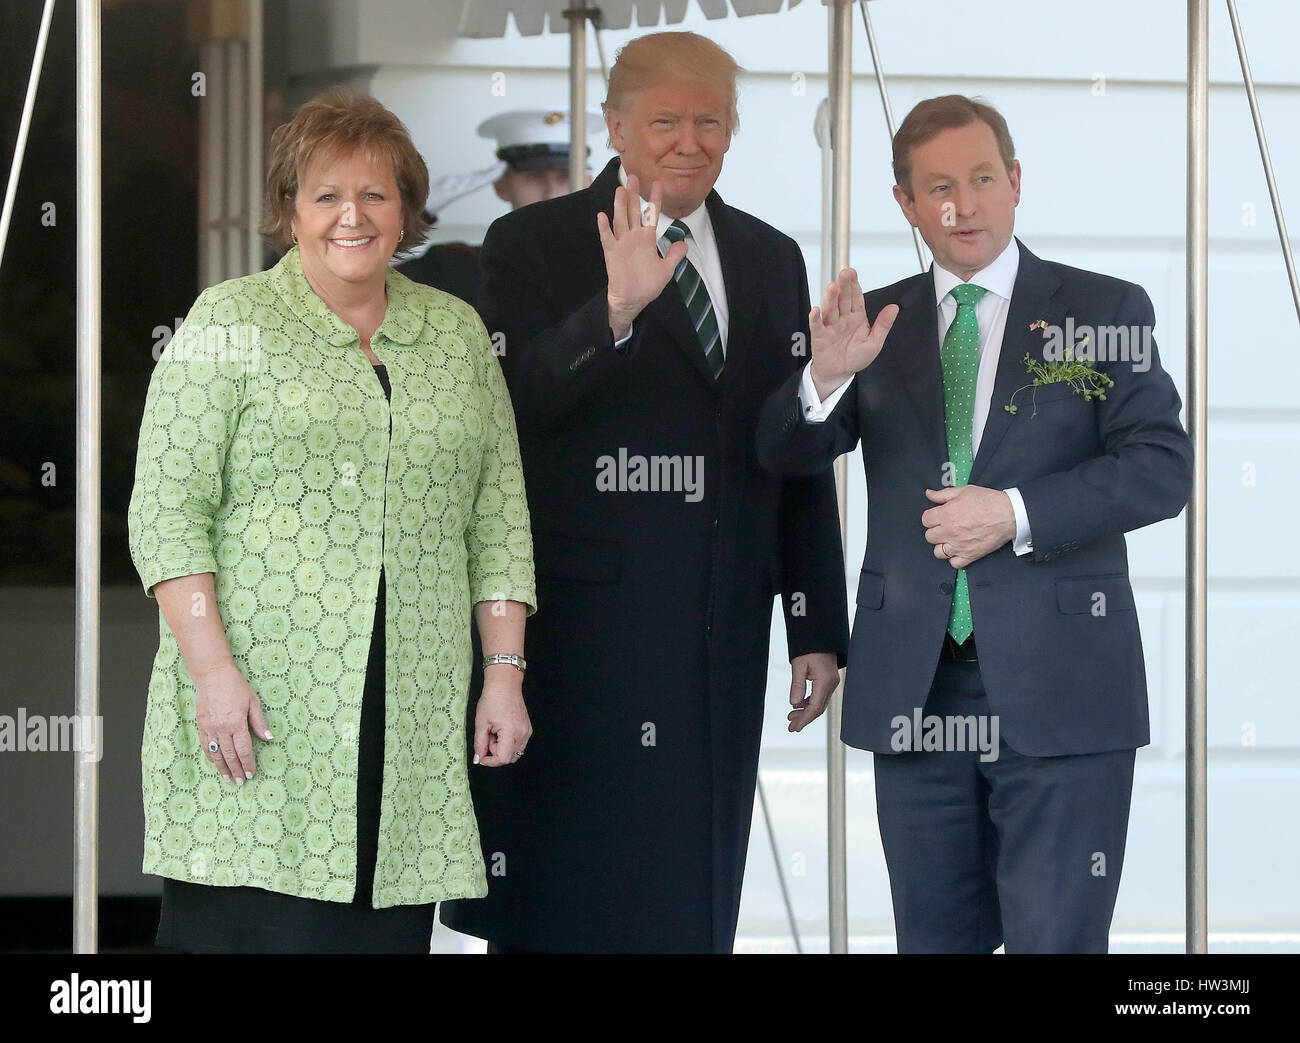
995 667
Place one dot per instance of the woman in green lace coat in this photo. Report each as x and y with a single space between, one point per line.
327 488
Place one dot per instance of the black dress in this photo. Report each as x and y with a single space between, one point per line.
203 918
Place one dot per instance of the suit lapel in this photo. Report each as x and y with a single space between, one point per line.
668 310
913 350
1031 300
738 253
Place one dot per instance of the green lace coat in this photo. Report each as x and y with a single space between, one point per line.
265 458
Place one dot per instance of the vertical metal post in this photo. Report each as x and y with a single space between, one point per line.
256 175
841 88
780 871
85 799
1278 219
577 97
212 163
1198 78
917 241
232 233
597 23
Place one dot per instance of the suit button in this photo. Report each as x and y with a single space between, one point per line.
945 588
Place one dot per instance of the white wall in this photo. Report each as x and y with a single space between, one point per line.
1104 188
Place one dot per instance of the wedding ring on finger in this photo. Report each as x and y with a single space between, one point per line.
943 549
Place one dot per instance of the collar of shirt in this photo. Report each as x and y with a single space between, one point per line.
697 220
702 250
404 311
998 277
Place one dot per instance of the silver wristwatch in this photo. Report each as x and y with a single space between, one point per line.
504 659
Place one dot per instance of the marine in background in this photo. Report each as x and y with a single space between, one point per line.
532 164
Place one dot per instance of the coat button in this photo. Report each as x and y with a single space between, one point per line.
945 588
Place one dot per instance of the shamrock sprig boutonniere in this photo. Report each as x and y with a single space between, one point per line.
1080 373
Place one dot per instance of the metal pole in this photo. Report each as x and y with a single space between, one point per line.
1278 219
235 174
256 176
836 797
1198 165
841 85
577 17
24 123
780 873
85 800
212 164
917 241
822 132
596 18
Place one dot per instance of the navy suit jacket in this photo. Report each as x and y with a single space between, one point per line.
1057 634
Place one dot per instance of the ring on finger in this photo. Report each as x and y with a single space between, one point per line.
212 746
943 549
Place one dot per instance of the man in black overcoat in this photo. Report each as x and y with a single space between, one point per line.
660 543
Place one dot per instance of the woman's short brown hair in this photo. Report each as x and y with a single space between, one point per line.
934 115
337 122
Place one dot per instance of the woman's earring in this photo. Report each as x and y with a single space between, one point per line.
294 236
401 235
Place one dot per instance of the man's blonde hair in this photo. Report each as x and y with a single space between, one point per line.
671 57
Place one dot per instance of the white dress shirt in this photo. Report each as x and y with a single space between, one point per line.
702 252
991 314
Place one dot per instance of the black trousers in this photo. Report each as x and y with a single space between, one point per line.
987 846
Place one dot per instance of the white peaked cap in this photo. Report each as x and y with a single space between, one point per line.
535 139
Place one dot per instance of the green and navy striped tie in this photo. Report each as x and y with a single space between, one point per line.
698 305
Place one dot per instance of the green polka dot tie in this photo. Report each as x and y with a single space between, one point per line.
698 304
960 356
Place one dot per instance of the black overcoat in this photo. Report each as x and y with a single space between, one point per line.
625 826
447 266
